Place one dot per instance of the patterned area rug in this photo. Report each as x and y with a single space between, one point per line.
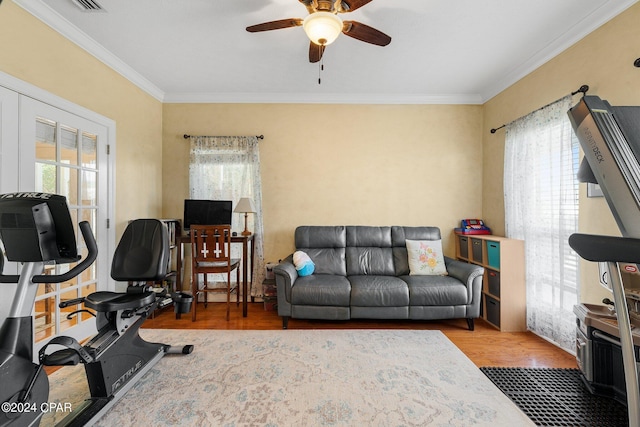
305 378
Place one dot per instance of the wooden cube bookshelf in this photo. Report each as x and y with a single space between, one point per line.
503 287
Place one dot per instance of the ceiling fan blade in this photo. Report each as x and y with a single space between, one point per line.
365 33
351 5
275 25
315 52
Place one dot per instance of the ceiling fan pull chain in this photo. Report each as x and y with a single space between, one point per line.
320 65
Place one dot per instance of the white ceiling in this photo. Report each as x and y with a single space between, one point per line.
442 51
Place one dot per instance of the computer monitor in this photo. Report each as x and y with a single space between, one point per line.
207 212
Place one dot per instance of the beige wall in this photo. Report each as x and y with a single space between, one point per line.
604 61
32 52
342 164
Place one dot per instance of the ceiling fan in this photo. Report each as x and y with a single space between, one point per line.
323 25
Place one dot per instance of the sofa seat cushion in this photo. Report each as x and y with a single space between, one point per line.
436 290
378 291
321 289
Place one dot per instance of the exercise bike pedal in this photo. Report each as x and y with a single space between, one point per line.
64 357
73 354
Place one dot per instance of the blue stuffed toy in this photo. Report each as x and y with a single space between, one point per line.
304 265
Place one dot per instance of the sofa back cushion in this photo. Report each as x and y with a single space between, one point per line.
325 245
399 236
369 251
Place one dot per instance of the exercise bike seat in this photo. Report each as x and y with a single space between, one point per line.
141 256
104 301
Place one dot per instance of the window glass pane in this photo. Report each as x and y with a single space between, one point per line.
89 144
45 139
68 145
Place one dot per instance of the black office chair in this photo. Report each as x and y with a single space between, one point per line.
141 256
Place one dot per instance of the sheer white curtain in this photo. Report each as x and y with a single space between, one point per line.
228 168
541 208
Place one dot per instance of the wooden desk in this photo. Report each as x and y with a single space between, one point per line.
248 246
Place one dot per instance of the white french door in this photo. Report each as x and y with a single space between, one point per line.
66 154
50 144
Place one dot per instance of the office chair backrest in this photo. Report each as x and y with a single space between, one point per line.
143 252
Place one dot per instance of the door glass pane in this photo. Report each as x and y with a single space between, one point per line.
66 323
63 268
68 145
46 288
74 221
89 275
69 184
45 139
46 179
45 317
89 144
89 215
89 188
84 291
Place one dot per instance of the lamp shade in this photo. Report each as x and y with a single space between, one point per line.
322 28
245 205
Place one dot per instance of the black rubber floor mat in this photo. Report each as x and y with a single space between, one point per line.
557 397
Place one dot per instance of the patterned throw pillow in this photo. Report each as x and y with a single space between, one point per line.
425 258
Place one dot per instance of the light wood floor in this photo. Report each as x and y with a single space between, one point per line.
485 346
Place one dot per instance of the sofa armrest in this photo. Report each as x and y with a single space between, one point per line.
286 275
469 274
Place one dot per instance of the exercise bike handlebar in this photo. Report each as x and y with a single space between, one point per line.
92 254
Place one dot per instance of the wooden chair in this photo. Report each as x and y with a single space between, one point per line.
211 253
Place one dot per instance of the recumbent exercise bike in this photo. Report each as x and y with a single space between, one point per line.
36 229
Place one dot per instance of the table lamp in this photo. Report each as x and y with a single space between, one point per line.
245 205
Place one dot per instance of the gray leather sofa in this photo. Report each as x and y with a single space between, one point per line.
362 272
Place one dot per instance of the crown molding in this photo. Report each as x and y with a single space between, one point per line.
573 35
315 98
57 22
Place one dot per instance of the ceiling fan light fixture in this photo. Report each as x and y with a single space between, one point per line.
322 28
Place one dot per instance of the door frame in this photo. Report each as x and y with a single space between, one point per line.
27 89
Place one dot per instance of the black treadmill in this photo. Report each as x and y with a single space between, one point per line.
610 139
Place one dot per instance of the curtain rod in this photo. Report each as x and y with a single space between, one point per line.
583 89
189 136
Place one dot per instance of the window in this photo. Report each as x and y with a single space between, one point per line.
228 168
541 208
